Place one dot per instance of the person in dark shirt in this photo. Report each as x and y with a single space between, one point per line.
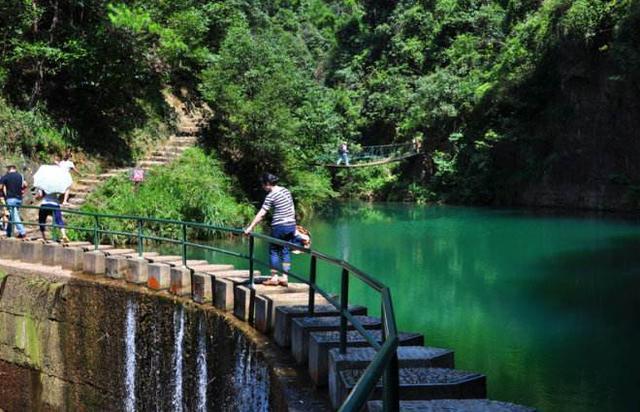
13 185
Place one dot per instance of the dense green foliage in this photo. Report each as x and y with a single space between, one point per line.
517 100
193 188
72 80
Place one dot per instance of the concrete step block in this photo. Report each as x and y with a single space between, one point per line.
171 260
202 290
321 342
180 281
52 254
138 271
360 358
159 276
31 251
223 284
10 248
148 256
206 267
94 263
266 306
223 294
424 384
120 252
302 327
243 296
77 244
451 405
73 258
285 314
117 266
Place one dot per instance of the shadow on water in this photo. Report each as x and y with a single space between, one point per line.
607 278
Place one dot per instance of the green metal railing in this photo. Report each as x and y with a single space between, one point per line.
385 363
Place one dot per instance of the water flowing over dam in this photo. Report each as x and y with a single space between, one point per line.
72 344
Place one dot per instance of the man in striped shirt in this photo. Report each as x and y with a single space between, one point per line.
283 226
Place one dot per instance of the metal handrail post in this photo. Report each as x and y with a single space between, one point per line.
391 385
140 240
312 283
184 245
96 240
251 251
344 303
390 379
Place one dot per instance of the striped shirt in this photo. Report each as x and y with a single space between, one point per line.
280 203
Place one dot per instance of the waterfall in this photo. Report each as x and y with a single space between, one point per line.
251 379
201 366
130 357
178 326
156 363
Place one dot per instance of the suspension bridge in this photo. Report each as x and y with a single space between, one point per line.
367 156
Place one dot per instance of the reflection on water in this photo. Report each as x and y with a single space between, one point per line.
546 306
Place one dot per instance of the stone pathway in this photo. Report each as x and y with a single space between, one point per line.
190 122
428 378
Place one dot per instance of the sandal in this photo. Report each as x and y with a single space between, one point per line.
284 283
271 282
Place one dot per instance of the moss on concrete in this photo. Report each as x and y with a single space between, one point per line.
28 340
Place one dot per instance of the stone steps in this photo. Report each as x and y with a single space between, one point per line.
286 314
321 342
451 405
301 328
89 181
189 126
423 384
360 358
428 381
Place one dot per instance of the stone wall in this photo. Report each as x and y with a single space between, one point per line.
63 347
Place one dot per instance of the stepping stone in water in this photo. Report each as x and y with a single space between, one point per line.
424 384
265 307
285 314
243 296
302 327
206 267
224 284
360 358
453 405
169 260
321 342
120 252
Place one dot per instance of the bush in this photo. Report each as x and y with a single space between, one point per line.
193 188
31 133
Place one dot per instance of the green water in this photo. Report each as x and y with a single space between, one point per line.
547 307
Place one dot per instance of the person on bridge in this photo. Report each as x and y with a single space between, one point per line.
283 226
13 186
343 152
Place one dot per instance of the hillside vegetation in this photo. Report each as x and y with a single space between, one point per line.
518 101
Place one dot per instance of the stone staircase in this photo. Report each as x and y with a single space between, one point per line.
190 124
428 378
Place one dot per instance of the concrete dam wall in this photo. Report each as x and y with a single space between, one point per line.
70 343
